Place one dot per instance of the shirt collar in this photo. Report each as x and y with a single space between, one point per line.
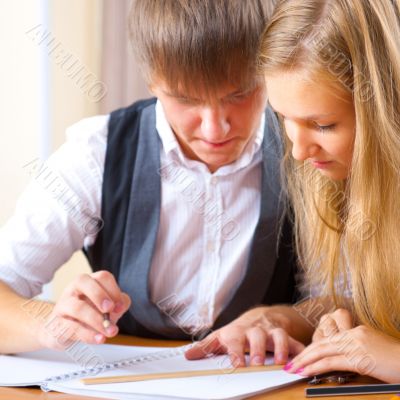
172 148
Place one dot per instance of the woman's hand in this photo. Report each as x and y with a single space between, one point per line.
78 314
337 321
258 330
337 346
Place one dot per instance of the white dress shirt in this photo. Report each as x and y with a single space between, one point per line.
206 225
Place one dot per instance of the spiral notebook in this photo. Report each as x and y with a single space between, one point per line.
62 371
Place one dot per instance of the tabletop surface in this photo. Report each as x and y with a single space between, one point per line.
292 392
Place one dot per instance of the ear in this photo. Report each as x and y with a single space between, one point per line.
154 89
151 88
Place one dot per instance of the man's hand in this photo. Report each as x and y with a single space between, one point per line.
258 330
78 314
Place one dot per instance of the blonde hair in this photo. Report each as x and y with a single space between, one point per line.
198 44
351 227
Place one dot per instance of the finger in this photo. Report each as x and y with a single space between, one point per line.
82 312
120 308
62 333
343 319
107 281
311 348
314 353
236 351
284 345
295 347
257 340
279 340
209 345
85 286
327 364
230 341
297 360
326 328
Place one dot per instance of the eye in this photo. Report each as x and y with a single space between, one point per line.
325 128
184 100
234 99
238 97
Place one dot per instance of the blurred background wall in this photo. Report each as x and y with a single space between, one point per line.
62 60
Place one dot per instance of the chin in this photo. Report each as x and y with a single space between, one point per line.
213 165
335 176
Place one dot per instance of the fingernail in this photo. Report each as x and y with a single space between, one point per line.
237 363
118 307
299 371
106 305
279 358
98 338
288 366
257 360
110 330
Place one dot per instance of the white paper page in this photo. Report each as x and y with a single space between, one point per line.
27 369
17 371
224 386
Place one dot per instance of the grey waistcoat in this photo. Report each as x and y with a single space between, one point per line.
131 200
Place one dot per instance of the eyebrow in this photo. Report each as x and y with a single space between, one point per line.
308 117
182 95
317 116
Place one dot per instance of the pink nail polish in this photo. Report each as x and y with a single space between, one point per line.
288 366
299 371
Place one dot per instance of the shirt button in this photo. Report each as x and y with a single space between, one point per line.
204 310
213 180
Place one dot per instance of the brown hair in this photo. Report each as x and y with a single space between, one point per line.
186 42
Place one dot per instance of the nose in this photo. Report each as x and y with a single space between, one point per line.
214 123
303 144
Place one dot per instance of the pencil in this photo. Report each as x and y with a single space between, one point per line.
178 374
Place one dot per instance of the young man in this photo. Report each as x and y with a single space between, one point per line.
177 199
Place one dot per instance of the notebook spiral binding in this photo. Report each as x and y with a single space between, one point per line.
123 363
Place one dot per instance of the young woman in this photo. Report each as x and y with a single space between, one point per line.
333 75
332 71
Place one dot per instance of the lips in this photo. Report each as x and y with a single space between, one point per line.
321 164
217 144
